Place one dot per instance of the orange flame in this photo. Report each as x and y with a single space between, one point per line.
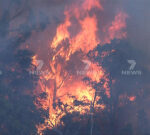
132 98
61 33
66 91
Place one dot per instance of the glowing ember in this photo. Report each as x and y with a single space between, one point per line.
132 98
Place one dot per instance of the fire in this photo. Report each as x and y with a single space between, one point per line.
114 30
132 98
34 60
61 33
89 29
95 72
117 25
64 87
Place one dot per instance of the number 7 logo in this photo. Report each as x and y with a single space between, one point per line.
39 64
133 64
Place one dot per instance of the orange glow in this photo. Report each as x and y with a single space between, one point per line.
118 24
61 33
132 98
115 30
65 90
95 72
34 60
86 40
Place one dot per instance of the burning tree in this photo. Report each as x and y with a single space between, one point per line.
74 80
80 87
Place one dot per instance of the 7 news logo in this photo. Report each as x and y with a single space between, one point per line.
131 70
86 68
39 70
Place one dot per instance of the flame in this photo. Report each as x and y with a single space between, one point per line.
132 98
61 33
65 89
89 28
34 60
115 29
117 25
95 72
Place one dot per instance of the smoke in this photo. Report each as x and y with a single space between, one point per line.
52 12
32 24
138 28
138 23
